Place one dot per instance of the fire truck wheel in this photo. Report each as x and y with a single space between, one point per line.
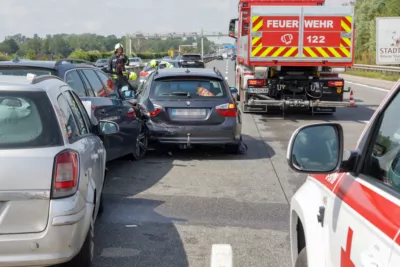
302 258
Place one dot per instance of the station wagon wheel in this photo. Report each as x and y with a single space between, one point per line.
142 143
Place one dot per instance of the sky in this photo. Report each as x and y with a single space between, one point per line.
117 17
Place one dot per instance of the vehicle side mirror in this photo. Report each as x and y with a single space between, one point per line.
108 127
316 148
233 90
232 28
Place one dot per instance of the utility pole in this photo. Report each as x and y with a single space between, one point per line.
202 42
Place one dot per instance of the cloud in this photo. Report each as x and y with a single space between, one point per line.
116 17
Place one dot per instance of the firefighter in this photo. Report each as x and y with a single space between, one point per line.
117 64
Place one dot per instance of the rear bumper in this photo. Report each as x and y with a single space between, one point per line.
60 242
226 133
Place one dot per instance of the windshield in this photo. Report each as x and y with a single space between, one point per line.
101 61
190 88
25 71
134 60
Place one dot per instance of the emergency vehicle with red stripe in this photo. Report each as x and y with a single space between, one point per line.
347 213
290 54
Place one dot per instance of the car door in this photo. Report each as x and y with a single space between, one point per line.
80 140
91 142
110 109
366 212
128 121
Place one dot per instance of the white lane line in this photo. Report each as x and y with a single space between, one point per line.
221 255
371 87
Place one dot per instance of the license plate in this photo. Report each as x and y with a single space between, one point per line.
189 113
191 62
257 90
113 118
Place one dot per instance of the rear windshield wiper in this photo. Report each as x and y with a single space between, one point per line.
179 94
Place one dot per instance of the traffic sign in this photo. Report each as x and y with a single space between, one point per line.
229 46
388 41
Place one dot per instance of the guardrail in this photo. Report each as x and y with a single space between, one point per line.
387 70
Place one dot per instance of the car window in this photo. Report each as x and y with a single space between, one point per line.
383 161
88 86
27 120
6 70
79 118
67 119
82 108
195 88
94 82
73 79
108 84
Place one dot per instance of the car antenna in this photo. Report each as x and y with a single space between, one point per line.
16 59
187 70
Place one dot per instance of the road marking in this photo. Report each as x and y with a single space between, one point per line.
371 87
221 255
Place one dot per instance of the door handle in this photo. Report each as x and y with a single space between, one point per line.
94 156
100 150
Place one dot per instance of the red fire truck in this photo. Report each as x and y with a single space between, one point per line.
290 54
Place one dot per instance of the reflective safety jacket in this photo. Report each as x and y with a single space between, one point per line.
118 65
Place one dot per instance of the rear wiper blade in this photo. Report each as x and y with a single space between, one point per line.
180 93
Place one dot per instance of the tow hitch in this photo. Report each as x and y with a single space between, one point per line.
187 145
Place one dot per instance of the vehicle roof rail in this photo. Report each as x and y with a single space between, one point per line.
217 71
42 78
73 61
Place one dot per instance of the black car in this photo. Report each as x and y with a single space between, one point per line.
189 107
192 61
220 57
108 102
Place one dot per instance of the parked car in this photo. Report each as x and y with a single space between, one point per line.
101 63
192 61
347 211
191 106
147 70
219 57
109 103
136 62
52 173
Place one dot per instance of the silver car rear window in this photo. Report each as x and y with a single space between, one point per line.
27 120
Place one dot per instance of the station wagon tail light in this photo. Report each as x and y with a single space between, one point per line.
255 82
157 110
110 84
143 73
227 110
335 84
66 171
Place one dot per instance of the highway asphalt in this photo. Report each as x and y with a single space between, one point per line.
172 207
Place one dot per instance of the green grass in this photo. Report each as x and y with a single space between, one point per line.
373 75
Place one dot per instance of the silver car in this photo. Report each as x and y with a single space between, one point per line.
52 168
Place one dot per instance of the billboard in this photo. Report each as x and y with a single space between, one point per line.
388 41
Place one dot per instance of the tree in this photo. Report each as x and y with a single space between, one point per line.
9 46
